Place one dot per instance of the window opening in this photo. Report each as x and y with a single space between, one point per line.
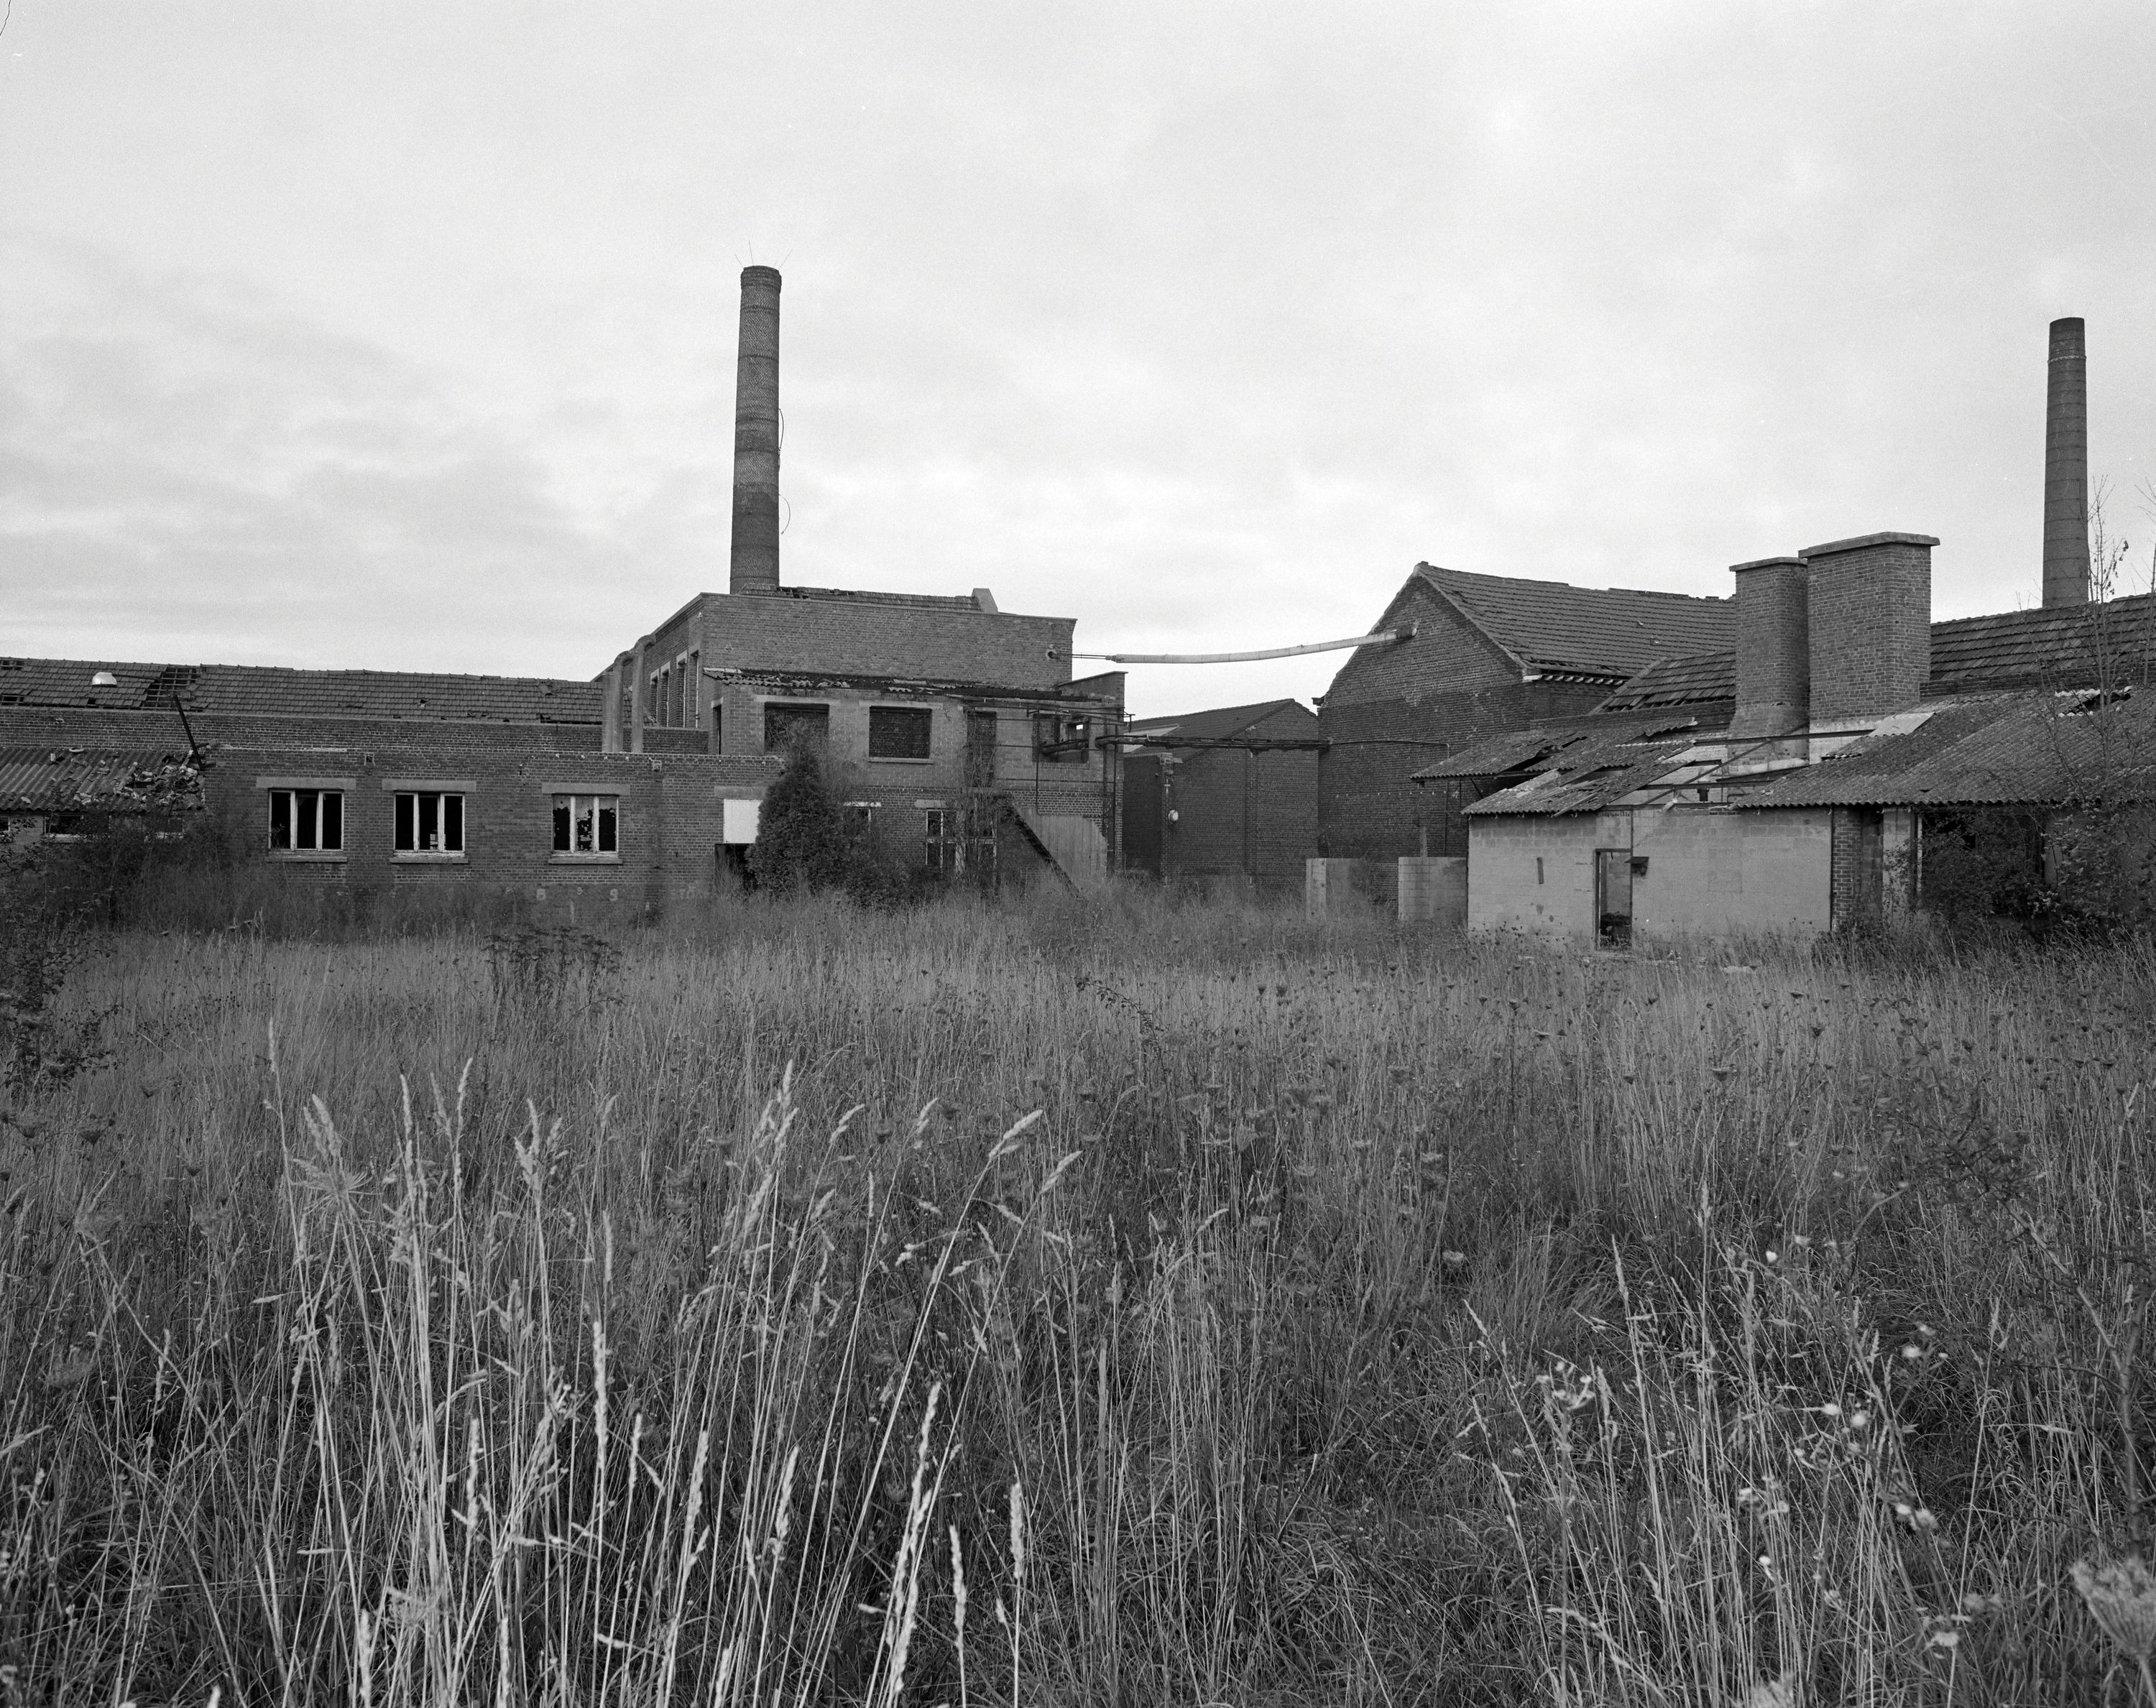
946 846
795 723
306 821
898 731
587 824
430 823
1061 738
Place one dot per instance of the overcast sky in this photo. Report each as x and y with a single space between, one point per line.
403 335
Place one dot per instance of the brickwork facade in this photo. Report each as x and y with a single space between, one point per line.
1222 813
1870 623
944 641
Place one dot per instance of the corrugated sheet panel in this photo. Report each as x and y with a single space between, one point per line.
64 780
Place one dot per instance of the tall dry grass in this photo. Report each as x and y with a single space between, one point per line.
710 1316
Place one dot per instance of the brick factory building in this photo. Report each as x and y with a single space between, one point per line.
956 724
1488 653
1226 795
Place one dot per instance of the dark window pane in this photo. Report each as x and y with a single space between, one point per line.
430 823
898 731
562 815
607 825
453 823
788 725
583 803
332 818
405 844
281 818
307 818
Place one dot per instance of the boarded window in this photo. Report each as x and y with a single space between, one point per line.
898 731
789 724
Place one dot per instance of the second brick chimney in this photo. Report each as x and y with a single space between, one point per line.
1869 611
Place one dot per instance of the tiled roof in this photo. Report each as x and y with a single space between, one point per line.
285 692
1220 722
1541 746
2020 749
2057 646
1683 681
1555 628
63 780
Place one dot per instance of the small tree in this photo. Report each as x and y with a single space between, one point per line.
801 837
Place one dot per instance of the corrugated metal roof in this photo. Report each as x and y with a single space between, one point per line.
73 780
1539 746
2045 749
292 693
1590 777
1554 627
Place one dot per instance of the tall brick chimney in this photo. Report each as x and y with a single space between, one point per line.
2066 467
1773 652
755 564
1868 606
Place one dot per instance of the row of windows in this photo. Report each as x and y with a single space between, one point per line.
432 823
903 732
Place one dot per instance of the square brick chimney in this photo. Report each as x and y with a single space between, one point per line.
1774 648
1868 607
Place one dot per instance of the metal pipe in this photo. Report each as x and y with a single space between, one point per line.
1278 652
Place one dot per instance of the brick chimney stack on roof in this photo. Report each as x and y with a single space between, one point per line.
1868 608
1774 648
755 564
2066 467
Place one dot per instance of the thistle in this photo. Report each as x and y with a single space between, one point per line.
2121 1596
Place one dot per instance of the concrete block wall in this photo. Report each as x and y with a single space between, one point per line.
1532 875
1712 874
1870 624
1345 888
1433 891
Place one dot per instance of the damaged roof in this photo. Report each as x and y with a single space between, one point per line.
1697 679
1556 628
1539 745
1592 776
2046 646
2024 749
259 689
76 780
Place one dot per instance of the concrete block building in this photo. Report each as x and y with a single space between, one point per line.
956 724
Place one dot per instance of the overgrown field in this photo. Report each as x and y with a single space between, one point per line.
1078 1305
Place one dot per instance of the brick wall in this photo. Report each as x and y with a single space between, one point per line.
1870 621
670 823
1774 646
785 632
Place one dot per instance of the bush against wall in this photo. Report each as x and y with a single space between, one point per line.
807 841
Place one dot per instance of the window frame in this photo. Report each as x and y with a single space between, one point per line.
766 704
604 804
441 796
926 714
1055 728
292 790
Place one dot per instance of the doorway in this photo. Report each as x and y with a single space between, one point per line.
1612 897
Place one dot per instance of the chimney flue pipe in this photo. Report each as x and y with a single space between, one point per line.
2066 467
754 568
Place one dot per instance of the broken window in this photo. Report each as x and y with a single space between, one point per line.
429 822
1061 738
946 841
898 731
589 825
306 821
789 724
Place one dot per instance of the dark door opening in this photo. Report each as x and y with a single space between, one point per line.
1612 897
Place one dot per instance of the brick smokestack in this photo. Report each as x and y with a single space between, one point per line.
1868 606
755 564
1774 648
2066 467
